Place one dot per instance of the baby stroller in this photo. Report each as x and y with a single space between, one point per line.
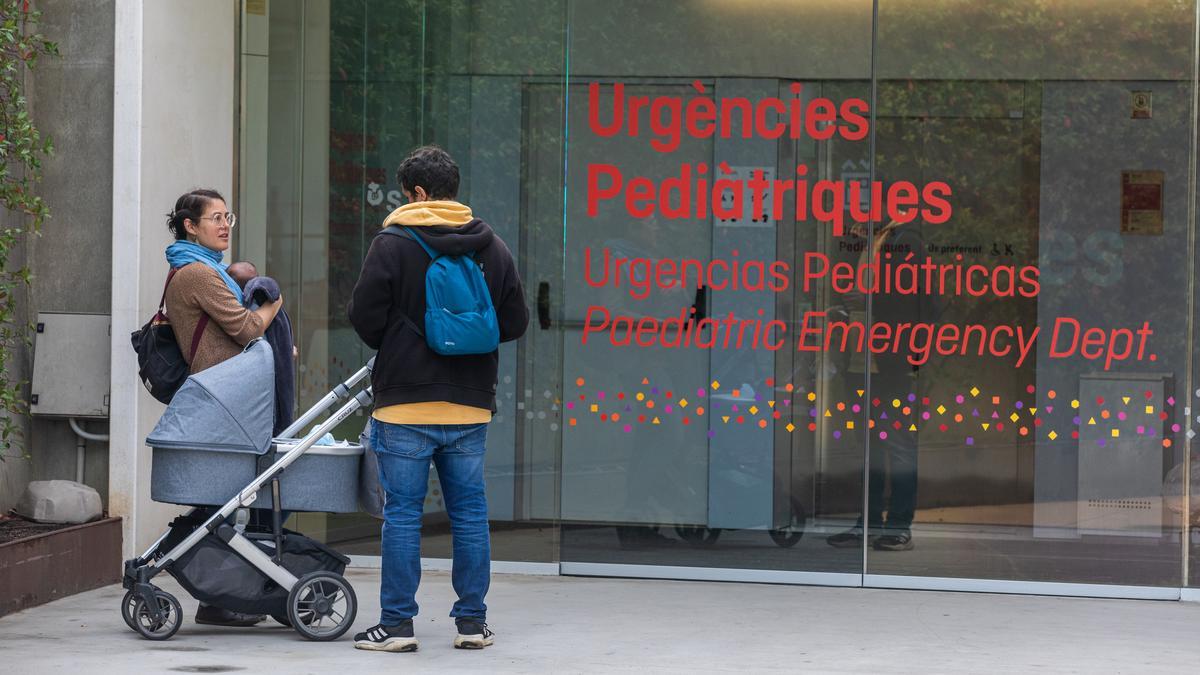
213 447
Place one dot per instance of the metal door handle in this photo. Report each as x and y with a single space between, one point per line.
701 303
543 305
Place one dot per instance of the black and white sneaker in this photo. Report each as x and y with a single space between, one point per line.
900 541
381 638
472 634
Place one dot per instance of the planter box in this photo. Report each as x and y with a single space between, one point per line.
46 567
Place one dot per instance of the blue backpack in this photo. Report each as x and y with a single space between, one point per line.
459 316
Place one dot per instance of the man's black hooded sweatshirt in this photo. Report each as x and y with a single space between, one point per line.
392 287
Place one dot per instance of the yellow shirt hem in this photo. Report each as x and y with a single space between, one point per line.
432 412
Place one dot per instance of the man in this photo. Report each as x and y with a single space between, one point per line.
430 407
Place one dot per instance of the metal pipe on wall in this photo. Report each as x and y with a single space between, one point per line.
82 437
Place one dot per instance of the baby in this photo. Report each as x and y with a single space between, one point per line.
258 290
242 272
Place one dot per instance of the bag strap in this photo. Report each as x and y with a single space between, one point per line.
197 334
396 231
401 231
417 238
162 302
200 326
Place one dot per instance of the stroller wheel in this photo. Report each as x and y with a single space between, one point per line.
698 535
167 624
789 536
322 606
128 603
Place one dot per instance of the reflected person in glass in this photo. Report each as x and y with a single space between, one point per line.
894 383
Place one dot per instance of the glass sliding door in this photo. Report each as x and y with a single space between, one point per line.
1052 397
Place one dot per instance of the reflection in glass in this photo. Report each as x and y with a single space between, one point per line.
1046 463
1064 132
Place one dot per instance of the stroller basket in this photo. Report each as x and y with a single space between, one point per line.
216 575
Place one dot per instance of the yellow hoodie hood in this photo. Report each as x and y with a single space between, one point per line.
418 214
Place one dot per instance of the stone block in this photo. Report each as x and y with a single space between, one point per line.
59 501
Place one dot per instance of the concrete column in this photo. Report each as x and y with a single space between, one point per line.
173 127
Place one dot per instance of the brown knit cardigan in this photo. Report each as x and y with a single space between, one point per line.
196 290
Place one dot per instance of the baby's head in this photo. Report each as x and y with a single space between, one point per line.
242 272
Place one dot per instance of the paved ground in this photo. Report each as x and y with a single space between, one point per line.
577 625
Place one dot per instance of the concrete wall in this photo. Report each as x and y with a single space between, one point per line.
173 130
831 39
69 99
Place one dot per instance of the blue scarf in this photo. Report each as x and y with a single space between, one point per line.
185 252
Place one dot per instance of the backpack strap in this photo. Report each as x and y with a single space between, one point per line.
199 333
162 302
401 230
200 326
417 238
161 313
397 231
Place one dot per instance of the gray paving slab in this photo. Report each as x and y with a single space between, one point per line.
586 625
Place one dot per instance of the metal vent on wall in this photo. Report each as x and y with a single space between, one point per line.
1139 504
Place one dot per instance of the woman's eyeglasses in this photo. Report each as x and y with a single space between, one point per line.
219 218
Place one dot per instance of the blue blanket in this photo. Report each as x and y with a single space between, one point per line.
259 291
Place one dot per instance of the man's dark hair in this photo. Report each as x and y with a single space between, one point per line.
431 168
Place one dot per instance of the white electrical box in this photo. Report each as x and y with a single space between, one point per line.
71 365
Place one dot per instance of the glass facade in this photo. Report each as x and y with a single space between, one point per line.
1006 371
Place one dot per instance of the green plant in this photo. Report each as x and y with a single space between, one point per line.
21 150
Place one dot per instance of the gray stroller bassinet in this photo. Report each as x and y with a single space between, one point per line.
215 437
213 448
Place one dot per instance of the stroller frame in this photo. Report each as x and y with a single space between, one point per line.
157 615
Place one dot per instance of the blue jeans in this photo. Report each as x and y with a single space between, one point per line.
404 452
901 447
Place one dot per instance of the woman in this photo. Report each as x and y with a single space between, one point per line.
201 290
204 305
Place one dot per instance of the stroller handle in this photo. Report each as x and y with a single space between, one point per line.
339 392
247 495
